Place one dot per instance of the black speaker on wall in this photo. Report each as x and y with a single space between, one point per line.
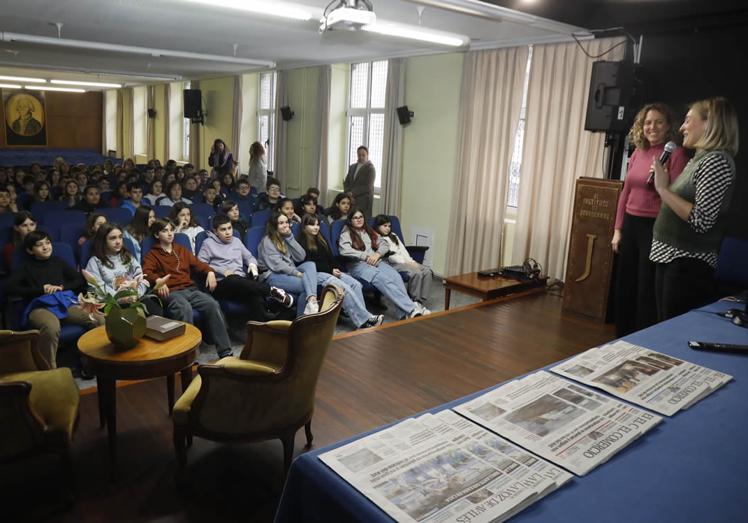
615 96
192 103
286 113
404 114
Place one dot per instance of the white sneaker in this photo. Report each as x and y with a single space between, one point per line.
423 309
282 296
312 307
416 312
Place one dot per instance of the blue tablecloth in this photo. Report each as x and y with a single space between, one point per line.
692 467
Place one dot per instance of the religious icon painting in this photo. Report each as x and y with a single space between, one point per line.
25 118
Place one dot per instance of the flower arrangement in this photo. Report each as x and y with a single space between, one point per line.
126 294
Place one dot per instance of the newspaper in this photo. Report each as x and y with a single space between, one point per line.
443 468
644 377
567 424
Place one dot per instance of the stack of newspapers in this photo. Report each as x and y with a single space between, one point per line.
494 455
642 376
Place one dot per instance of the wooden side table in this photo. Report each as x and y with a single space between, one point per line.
148 359
488 288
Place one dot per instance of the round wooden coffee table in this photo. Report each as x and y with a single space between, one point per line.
148 359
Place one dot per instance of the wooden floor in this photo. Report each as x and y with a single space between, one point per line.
369 379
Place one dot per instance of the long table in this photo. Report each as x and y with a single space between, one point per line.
692 467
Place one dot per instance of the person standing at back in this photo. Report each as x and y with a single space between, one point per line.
258 173
638 206
221 159
359 181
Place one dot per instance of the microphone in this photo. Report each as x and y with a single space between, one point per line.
664 157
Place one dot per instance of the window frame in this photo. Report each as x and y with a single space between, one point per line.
270 114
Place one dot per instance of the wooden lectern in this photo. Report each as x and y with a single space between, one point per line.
589 266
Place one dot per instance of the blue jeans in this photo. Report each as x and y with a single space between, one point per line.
300 288
179 305
353 299
387 281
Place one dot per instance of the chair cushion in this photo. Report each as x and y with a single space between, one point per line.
54 397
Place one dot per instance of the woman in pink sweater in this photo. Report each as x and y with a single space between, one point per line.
637 209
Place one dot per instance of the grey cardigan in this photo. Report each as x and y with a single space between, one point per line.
271 260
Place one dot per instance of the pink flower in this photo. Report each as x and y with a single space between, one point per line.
90 304
90 278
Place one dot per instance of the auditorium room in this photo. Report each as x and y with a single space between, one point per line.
373 260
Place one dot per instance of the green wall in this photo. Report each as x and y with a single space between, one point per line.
218 102
429 167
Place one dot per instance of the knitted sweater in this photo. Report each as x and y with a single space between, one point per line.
108 277
158 263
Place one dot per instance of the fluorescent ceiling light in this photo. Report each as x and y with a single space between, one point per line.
417 33
351 15
9 86
90 84
47 88
24 79
266 7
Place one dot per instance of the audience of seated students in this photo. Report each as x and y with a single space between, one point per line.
42 193
329 273
340 208
91 200
210 196
28 184
135 199
419 276
155 191
180 294
23 223
115 268
6 204
183 221
271 196
227 184
231 209
51 286
120 194
173 195
70 196
191 190
237 271
140 228
242 192
278 254
361 246
285 206
307 204
93 222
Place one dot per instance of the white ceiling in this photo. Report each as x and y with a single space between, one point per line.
183 26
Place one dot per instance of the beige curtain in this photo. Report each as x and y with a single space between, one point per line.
236 122
196 137
393 138
325 78
103 124
125 123
557 150
490 104
166 118
150 139
281 128
120 127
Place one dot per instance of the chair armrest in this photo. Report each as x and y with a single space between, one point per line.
267 342
417 252
22 429
245 368
19 352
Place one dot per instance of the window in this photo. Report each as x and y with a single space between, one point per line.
186 127
366 103
140 119
519 138
266 115
110 111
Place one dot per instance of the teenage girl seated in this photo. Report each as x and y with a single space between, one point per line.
139 228
420 276
341 206
360 244
329 273
181 216
231 209
285 206
93 222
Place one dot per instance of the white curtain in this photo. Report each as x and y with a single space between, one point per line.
557 150
166 118
150 139
236 123
490 104
325 77
281 127
393 138
104 114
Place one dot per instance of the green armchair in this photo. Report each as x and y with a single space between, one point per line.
265 393
38 405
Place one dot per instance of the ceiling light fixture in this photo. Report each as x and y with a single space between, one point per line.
349 15
49 88
279 9
89 84
24 79
9 86
413 32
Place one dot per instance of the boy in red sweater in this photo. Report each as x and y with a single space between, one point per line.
181 295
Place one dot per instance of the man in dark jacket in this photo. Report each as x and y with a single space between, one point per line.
360 181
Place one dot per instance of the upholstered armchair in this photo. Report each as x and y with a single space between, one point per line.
38 405
265 393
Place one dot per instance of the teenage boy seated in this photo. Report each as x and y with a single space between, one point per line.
91 200
6 204
181 295
236 271
271 196
42 279
242 191
136 197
